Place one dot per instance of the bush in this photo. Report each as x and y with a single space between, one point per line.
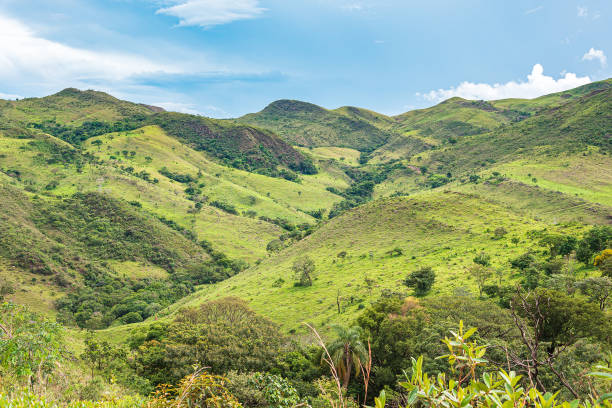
181 178
228 208
421 280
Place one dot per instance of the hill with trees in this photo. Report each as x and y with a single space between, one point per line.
305 256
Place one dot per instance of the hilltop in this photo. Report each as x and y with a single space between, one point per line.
309 125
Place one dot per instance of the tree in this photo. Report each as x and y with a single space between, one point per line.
30 346
522 262
499 233
223 334
275 245
481 275
549 322
604 262
495 388
199 389
558 244
597 289
482 259
594 241
6 289
347 351
304 268
98 354
421 280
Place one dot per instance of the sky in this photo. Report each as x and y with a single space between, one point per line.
226 58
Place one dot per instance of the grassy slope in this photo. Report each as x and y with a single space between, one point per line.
458 119
239 236
45 241
70 106
444 230
305 124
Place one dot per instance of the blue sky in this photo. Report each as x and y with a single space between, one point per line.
225 58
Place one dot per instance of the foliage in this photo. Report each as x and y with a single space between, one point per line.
595 240
223 335
26 399
347 351
466 388
199 389
30 346
228 208
558 244
481 274
604 262
482 259
181 178
598 289
276 390
421 280
303 269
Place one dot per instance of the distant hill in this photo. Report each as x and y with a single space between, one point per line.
305 124
74 116
456 119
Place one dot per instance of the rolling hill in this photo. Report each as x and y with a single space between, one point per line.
178 209
309 125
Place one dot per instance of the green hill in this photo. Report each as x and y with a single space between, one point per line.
356 262
305 124
221 195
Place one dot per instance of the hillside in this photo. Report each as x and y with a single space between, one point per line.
210 180
70 107
305 124
355 258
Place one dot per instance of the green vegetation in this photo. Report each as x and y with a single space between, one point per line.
305 124
151 258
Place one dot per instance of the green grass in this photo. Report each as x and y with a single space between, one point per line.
586 176
240 237
444 230
342 154
138 270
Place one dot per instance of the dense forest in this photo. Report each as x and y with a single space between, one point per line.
454 256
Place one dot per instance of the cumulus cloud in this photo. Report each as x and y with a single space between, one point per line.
537 84
594 54
208 13
583 11
25 54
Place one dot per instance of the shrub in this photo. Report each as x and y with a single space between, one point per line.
421 280
228 208
200 389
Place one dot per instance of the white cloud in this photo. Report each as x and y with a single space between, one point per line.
353 7
208 13
24 55
594 54
177 107
537 84
583 12
9 96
